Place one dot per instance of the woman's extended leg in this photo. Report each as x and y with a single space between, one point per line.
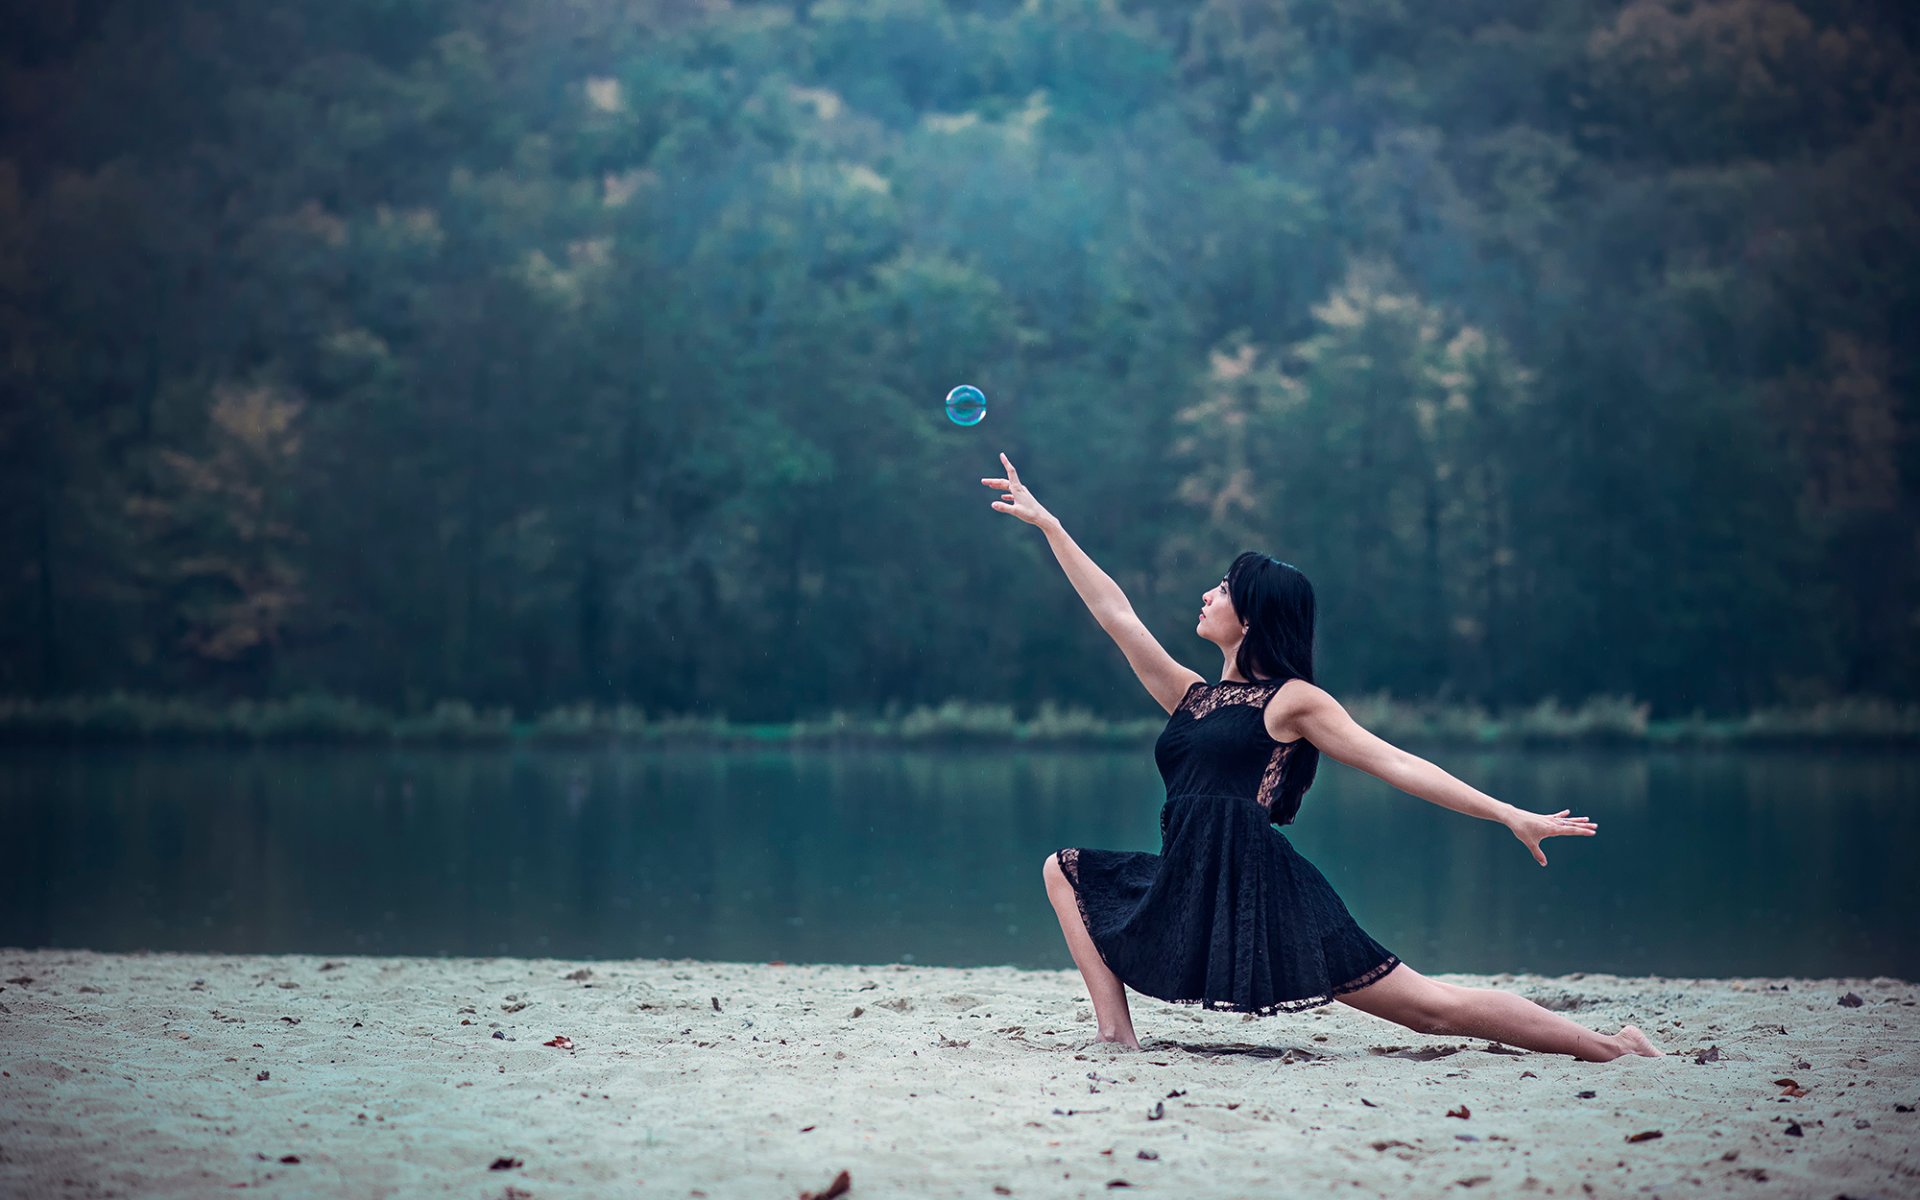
1406 997
1109 994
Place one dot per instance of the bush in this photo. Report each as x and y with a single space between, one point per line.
316 717
455 722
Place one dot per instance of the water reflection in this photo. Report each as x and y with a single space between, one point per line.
1707 864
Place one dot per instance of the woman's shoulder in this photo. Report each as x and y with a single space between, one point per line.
1290 700
1295 689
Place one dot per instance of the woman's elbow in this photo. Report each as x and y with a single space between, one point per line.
1405 771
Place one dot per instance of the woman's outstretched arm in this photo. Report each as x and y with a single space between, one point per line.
1322 720
1164 678
1102 595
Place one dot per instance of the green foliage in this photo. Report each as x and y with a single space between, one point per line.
587 361
1860 721
455 722
583 724
311 717
958 721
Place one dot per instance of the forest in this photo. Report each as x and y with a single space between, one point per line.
594 353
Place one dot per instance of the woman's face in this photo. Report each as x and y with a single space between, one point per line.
1218 621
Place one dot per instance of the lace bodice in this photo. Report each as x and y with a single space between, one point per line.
1216 742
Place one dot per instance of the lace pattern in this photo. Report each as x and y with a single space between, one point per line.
1069 861
1374 975
1203 698
1270 781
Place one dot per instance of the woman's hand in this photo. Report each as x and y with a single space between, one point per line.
1018 500
1532 828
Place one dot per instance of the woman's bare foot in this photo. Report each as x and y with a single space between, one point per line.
1129 1041
1637 1043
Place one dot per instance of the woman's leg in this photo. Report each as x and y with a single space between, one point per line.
1406 997
1109 994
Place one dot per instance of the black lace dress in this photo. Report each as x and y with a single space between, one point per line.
1228 915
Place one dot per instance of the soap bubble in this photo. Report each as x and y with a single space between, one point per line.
966 405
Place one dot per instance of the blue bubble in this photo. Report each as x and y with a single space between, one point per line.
966 405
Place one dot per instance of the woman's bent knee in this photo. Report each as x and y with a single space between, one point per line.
1050 869
1438 1011
1409 999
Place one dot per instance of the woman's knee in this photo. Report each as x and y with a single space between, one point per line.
1410 999
1441 1009
1441 1014
1050 870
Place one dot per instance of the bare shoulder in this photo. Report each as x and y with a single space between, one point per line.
1290 706
1299 709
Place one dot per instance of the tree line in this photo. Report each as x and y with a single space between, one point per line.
532 355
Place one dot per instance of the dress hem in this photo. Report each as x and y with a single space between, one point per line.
1292 1006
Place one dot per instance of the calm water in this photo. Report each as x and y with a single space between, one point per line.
1706 864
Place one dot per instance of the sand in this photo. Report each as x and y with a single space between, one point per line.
201 1075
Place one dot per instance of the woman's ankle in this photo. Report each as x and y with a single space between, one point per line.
1608 1047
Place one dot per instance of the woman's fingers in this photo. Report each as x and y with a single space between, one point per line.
1560 824
1011 487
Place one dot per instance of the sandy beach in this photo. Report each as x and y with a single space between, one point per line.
197 1075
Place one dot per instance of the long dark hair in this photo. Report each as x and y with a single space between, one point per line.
1276 601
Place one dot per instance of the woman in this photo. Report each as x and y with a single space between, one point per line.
1229 915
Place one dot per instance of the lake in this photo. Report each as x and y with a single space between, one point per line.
1706 864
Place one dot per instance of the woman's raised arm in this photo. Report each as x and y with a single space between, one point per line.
1164 678
1102 595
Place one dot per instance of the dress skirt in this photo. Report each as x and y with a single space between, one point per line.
1228 915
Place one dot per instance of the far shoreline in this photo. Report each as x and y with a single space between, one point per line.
130 719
